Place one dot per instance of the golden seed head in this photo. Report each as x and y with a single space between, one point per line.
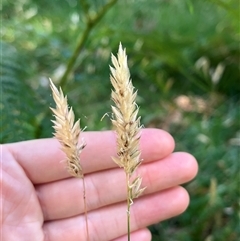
125 121
67 132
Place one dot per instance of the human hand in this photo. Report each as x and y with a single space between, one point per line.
41 202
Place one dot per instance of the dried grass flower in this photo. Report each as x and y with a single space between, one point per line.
67 132
126 124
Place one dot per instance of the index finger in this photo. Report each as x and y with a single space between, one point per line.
43 161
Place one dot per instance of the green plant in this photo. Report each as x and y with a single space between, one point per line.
211 133
22 112
91 21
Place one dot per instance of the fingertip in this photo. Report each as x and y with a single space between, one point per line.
141 234
156 143
170 142
178 201
192 165
184 200
189 165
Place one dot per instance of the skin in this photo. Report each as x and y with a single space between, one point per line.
41 202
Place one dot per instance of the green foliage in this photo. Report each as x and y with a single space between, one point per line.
175 48
213 137
17 100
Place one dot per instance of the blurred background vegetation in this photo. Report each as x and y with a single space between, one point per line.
184 60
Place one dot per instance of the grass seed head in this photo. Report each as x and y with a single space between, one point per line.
125 119
67 131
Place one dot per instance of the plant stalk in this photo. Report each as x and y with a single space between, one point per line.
128 205
85 208
91 23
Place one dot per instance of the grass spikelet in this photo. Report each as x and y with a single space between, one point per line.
67 132
127 126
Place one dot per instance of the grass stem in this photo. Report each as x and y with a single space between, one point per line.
127 126
91 23
85 208
128 206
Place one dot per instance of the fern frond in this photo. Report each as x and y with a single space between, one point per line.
18 111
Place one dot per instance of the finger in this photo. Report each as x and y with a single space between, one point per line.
108 187
110 222
43 162
142 234
17 194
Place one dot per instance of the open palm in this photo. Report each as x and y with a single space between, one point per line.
41 202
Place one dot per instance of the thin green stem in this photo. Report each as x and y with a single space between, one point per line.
75 55
85 6
85 208
128 205
91 23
